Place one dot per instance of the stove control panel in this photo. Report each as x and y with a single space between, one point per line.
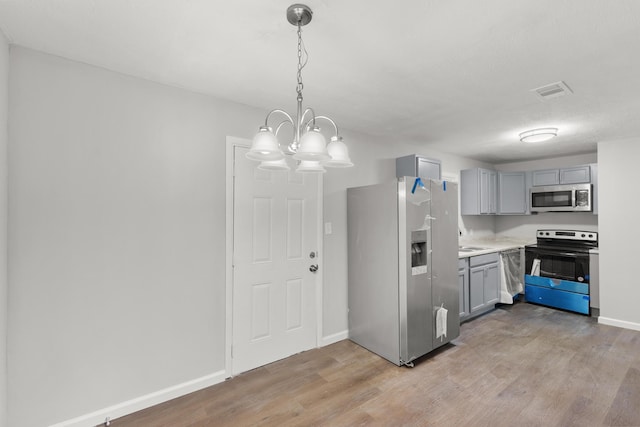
591 236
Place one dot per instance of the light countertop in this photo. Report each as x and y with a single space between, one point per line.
487 246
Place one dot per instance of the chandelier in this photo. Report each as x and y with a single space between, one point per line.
308 146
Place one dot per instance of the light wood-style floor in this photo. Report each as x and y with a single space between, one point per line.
522 365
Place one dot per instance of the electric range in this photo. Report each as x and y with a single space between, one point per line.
557 269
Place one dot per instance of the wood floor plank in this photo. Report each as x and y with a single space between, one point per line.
583 411
517 365
625 409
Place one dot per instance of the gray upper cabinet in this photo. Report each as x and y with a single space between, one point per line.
512 193
546 177
577 175
478 191
414 165
487 192
429 168
573 175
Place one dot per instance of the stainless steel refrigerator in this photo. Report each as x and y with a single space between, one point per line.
403 267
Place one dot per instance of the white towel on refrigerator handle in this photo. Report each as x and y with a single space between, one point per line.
441 323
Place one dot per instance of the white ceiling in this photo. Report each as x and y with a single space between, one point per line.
454 75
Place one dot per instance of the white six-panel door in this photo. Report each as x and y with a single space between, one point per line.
274 292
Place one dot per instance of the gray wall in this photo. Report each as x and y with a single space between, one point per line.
4 104
618 174
116 236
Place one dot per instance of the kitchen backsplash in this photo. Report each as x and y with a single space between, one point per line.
526 225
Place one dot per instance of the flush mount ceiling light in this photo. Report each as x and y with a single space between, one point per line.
308 146
538 135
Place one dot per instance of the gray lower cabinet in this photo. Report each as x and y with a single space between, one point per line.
463 283
479 282
484 283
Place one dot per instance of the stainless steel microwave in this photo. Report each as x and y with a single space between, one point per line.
561 198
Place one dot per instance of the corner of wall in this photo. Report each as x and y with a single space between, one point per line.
617 165
4 207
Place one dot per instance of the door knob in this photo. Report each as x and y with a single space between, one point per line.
313 268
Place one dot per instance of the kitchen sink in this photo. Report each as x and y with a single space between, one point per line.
470 248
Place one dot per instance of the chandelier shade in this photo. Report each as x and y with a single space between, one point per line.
265 146
274 165
339 154
306 166
313 146
308 145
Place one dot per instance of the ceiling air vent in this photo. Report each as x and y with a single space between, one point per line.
553 90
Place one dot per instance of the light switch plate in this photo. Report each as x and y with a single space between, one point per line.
327 228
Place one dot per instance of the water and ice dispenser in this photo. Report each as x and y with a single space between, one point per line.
418 252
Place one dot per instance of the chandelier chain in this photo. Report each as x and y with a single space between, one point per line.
302 53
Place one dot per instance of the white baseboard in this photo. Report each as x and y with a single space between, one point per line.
143 402
139 403
334 338
619 323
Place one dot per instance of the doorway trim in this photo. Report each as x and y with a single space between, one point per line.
231 143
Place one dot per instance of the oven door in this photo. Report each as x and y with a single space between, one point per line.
559 264
560 278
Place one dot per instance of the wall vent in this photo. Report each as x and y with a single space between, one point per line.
553 90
